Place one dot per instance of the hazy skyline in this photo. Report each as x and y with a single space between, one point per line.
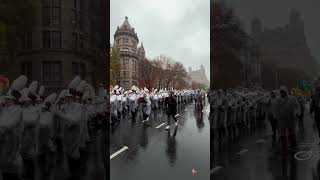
275 13
179 29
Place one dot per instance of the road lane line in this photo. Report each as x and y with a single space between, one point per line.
260 141
215 169
119 152
160 125
242 151
177 115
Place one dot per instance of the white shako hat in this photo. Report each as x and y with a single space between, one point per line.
16 86
72 88
24 95
50 99
40 93
62 95
74 83
116 88
146 90
33 87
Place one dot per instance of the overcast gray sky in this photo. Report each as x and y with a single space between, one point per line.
275 13
179 29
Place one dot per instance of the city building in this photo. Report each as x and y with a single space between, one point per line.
251 64
68 38
285 46
199 76
126 43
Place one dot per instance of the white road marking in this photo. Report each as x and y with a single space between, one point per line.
186 109
261 141
194 171
177 115
160 125
308 145
242 151
215 169
119 152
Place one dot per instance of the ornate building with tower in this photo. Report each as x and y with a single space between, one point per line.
199 76
126 43
286 46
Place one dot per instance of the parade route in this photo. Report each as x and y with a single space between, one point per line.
260 156
155 153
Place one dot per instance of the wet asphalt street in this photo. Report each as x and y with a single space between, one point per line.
157 154
92 165
254 156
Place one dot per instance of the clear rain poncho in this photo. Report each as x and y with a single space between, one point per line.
146 105
72 117
47 132
30 118
133 102
10 139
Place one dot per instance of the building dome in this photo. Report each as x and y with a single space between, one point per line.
126 29
126 24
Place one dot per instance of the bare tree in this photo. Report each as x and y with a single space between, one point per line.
162 72
115 65
161 64
149 74
228 38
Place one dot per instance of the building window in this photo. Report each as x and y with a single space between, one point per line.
25 40
76 18
134 51
51 39
134 65
134 83
76 13
56 39
52 71
76 4
79 69
77 41
126 84
125 40
26 69
118 41
51 12
118 83
125 64
56 15
125 74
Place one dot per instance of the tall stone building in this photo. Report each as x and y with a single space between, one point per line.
126 43
285 46
199 76
251 64
68 38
